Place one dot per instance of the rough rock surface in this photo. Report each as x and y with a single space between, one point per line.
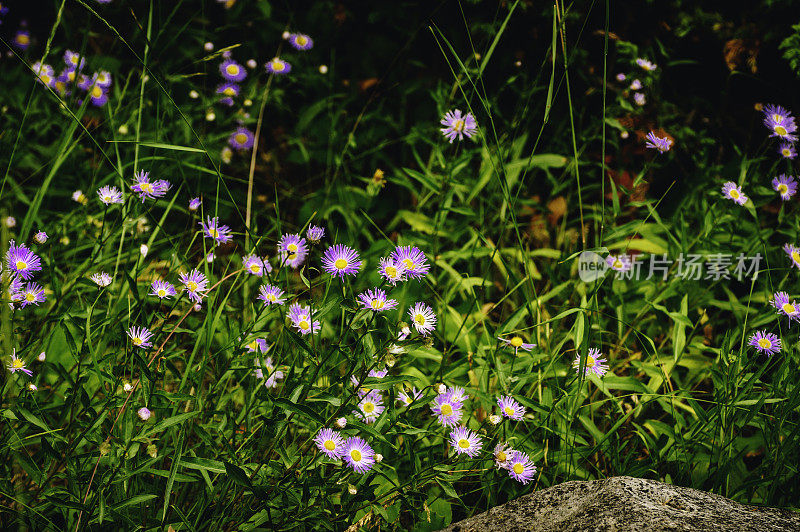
627 504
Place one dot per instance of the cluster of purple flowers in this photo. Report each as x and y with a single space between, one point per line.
21 265
636 84
96 85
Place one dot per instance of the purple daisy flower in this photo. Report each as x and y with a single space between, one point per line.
140 337
110 195
241 139
162 289
765 342
458 125
620 263
787 151
300 316
415 264
17 364
232 71
780 122
370 407
300 41
521 468
102 79
44 74
594 363
212 229
503 453
228 89
358 454
98 96
639 98
447 409
195 284
31 294
658 143
40 237
646 65
292 249
376 300
794 254
144 413
732 192
101 279
464 441
329 442
517 343
621 77
407 398
22 261
340 260
256 345
278 66
457 393
273 374
423 318
510 408
635 85
780 300
391 270
149 189
253 265
315 233
74 60
22 39
785 185
194 204
271 295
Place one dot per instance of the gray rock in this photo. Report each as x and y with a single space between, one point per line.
626 504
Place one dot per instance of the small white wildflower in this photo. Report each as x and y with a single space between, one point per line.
251 63
193 94
143 249
123 129
323 69
41 357
341 422
209 46
494 419
210 116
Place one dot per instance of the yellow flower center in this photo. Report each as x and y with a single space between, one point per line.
97 91
271 297
162 292
796 256
501 456
516 341
229 91
17 363
617 263
789 308
734 193
71 75
278 66
233 70
136 341
240 138
764 343
292 248
45 78
304 325
355 454
783 189
419 319
23 39
213 232
252 345
340 264
329 445
509 411
377 304
786 152
519 468
458 125
391 271
191 285
369 407
255 268
463 443
302 41
590 362
30 297
292 257
22 265
146 187
780 130
447 410
409 264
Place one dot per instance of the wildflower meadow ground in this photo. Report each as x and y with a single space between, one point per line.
267 268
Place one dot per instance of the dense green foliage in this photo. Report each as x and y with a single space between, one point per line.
558 167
